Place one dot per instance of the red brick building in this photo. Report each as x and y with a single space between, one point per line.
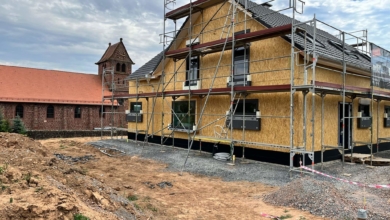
59 100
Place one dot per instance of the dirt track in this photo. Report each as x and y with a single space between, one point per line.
124 187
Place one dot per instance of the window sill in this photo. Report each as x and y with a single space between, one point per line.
192 86
182 130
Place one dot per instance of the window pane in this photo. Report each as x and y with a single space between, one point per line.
251 107
192 71
184 114
135 107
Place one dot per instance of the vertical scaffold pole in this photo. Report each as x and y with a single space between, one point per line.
231 78
343 105
292 89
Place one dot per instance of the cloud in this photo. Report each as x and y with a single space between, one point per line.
73 35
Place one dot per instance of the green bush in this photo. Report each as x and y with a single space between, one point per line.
4 125
18 126
80 216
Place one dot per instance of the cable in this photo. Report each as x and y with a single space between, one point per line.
222 156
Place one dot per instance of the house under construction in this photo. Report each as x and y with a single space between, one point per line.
261 85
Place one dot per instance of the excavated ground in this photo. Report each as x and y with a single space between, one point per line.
58 178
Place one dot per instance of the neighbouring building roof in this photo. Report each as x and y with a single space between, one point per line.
30 85
270 18
110 52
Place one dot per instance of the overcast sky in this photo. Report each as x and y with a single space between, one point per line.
73 34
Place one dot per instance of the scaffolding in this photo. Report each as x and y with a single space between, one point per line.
302 67
116 88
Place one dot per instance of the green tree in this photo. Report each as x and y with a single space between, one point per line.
18 126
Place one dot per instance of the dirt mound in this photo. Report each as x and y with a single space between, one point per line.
318 197
38 183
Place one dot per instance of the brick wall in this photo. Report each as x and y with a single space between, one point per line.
34 116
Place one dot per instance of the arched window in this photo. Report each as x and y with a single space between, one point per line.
118 67
50 111
77 112
19 111
123 67
101 112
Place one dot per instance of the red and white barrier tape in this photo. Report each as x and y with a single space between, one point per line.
377 186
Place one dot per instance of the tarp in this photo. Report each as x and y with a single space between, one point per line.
380 60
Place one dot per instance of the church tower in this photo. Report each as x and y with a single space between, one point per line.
116 56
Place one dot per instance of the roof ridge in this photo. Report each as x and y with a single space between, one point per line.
35 68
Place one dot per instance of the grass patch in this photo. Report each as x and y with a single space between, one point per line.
11 200
151 207
80 216
62 147
286 216
27 177
137 206
3 169
39 189
132 198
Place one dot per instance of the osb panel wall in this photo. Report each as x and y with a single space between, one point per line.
331 122
273 130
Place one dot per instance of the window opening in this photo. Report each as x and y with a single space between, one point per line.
184 113
50 111
77 112
135 107
192 69
19 111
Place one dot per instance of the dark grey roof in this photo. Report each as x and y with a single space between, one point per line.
270 18
147 68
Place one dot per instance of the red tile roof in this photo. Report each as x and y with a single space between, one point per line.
21 84
109 52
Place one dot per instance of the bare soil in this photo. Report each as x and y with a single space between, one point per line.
57 178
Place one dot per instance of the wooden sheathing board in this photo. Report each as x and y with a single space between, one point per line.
265 72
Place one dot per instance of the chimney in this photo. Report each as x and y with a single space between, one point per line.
120 39
109 44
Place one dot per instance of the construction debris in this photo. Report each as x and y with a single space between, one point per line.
366 159
162 185
71 159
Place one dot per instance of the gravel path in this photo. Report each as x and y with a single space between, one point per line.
320 195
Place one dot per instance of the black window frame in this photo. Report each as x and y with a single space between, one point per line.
19 110
192 82
241 55
50 111
366 110
176 115
387 110
248 103
123 67
77 111
118 67
132 106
